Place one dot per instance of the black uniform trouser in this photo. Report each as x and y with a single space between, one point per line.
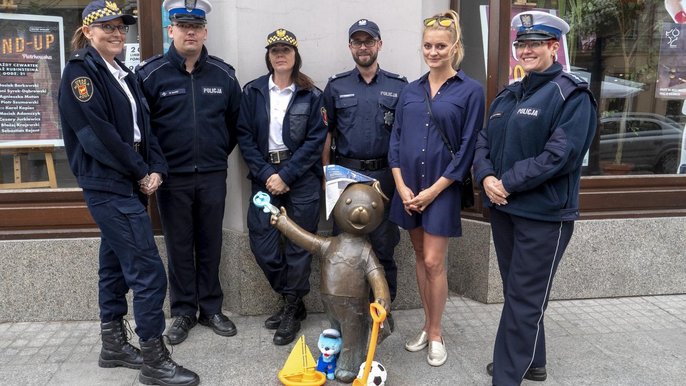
192 210
387 235
129 259
529 252
286 265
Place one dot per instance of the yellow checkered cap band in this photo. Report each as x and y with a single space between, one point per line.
101 9
282 36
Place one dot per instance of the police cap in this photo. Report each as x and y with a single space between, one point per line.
188 11
367 26
538 25
100 11
281 36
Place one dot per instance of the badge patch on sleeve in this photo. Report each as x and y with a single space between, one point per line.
82 88
325 118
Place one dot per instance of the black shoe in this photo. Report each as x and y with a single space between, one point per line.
178 332
159 369
289 325
219 323
538 374
116 350
272 322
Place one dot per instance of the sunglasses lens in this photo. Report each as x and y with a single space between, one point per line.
445 22
429 22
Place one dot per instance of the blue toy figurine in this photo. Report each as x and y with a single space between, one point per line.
262 200
330 345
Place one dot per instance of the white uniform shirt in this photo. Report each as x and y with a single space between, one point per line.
119 75
278 103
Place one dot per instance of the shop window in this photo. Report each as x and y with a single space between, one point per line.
35 45
633 55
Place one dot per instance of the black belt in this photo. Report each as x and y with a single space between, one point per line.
362 164
137 147
275 157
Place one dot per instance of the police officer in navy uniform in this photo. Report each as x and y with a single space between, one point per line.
528 160
360 104
281 132
194 100
117 162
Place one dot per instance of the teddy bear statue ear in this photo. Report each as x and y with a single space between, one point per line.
377 187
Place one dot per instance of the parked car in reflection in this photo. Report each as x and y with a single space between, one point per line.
651 142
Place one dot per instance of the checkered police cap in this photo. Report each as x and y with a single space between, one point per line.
99 11
281 36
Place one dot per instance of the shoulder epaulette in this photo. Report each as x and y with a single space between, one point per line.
341 75
568 83
78 55
393 75
217 58
579 81
316 91
148 61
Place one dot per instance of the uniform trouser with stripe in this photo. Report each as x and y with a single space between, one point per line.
128 259
529 252
285 265
192 210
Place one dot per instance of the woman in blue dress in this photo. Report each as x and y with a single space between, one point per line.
427 173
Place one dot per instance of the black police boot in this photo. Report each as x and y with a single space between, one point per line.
272 322
178 331
289 325
159 369
116 350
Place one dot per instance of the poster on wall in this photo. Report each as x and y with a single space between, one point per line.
516 71
31 65
672 63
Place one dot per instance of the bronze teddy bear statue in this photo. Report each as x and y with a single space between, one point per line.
349 267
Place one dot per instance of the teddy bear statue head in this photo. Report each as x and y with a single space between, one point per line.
359 209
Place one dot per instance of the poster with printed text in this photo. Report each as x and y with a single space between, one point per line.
671 83
31 63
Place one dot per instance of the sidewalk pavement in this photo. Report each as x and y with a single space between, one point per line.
619 341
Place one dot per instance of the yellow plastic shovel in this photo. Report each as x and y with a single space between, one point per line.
378 316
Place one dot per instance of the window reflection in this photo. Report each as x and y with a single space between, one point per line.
633 54
31 149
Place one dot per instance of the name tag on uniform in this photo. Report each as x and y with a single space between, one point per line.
178 91
212 90
346 96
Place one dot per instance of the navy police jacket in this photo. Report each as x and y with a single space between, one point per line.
193 114
361 115
304 132
97 126
535 140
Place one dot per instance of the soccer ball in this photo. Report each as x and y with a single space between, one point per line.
377 374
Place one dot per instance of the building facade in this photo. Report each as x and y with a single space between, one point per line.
633 194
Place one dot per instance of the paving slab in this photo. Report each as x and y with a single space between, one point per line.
619 341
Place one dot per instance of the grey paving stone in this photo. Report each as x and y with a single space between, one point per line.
621 341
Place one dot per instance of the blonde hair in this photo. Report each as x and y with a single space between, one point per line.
79 40
455 34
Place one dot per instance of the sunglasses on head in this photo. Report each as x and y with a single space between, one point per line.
443 21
